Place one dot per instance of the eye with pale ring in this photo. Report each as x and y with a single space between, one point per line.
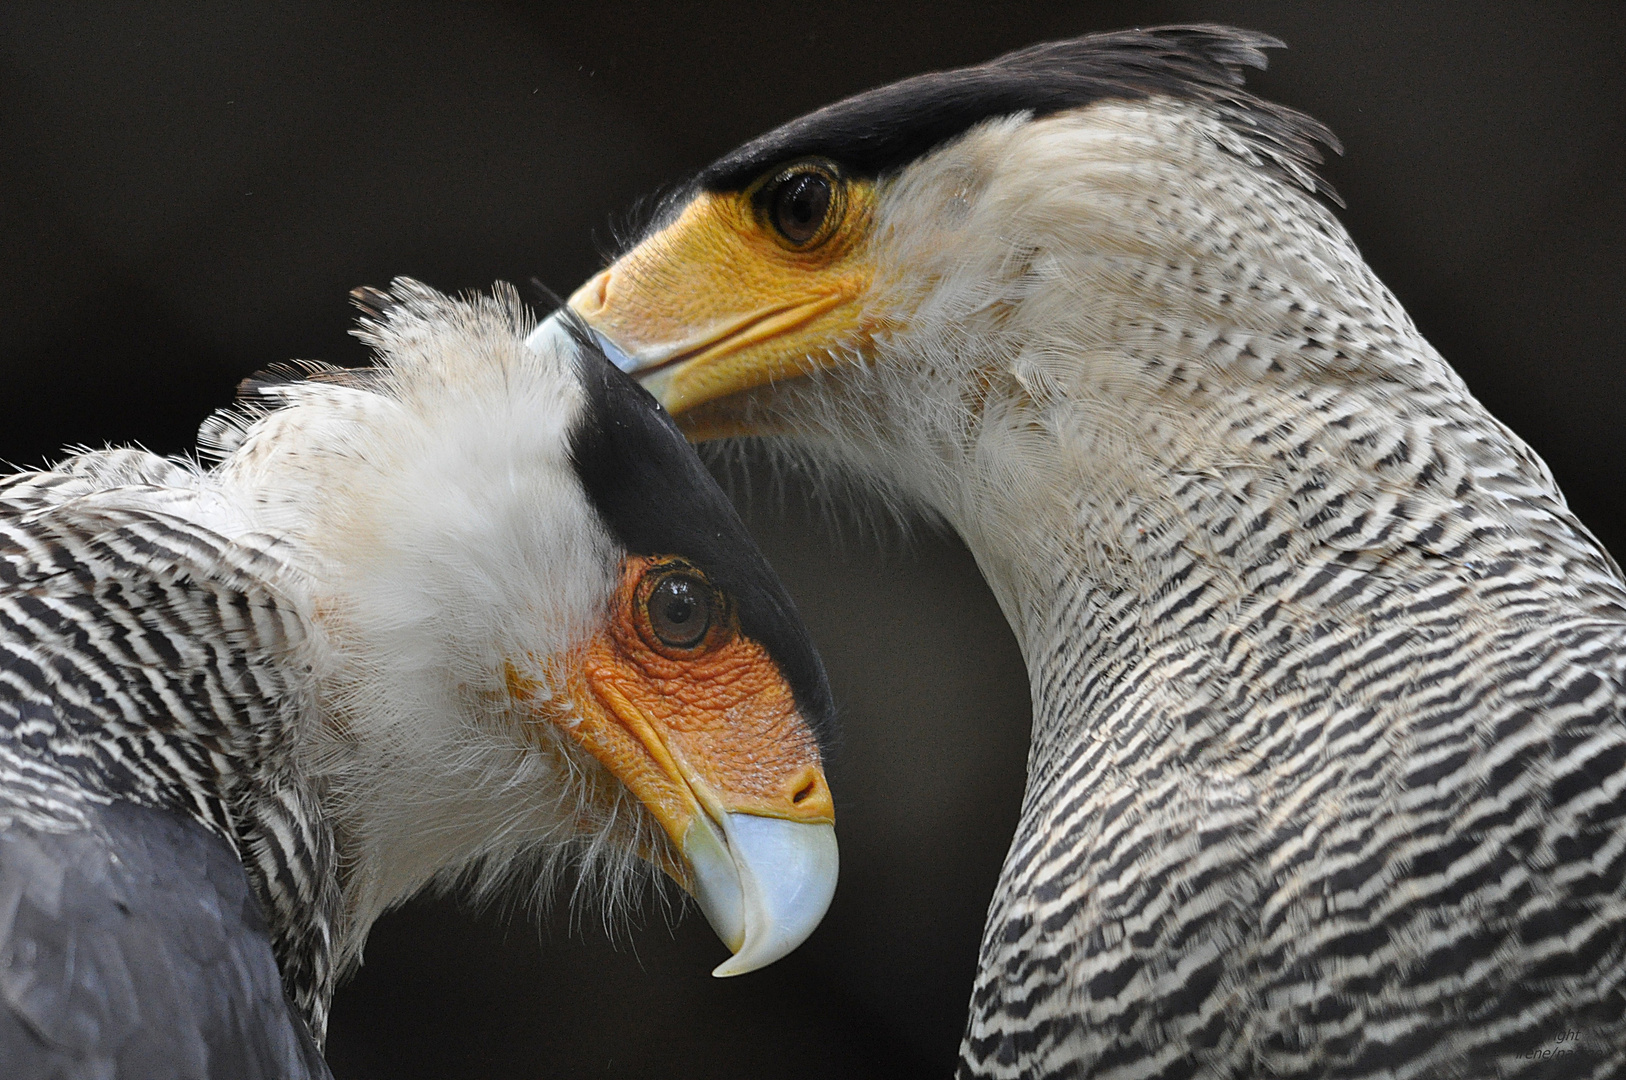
681 609
800 203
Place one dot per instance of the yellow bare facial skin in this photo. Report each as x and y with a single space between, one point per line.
723 299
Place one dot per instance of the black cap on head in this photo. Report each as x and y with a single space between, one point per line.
656 498
882 130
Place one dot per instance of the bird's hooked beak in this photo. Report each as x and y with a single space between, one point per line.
741 290
703 729
763 883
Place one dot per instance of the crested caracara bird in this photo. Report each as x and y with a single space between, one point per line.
1328 770
477 612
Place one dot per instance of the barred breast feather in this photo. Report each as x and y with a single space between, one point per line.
150 672
1365 820
1329 763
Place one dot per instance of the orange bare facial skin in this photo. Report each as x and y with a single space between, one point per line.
712 726
723 708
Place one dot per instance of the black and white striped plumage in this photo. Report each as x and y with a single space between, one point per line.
1328 773
160 852
245 709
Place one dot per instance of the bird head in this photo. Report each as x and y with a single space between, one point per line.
542 627
939 261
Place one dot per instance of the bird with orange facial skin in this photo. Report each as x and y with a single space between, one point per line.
474 614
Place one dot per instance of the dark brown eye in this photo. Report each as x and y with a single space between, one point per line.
681 610
800 204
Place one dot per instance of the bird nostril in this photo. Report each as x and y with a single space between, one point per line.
806 794
592 297
601 291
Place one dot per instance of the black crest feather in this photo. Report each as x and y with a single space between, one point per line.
657 498
881 130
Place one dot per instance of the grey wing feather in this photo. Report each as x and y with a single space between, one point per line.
134 948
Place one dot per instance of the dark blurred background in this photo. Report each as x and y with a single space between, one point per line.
188 191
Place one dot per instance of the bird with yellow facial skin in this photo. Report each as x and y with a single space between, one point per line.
1328 764
476 613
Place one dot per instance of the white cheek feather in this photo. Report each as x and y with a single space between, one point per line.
445 536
